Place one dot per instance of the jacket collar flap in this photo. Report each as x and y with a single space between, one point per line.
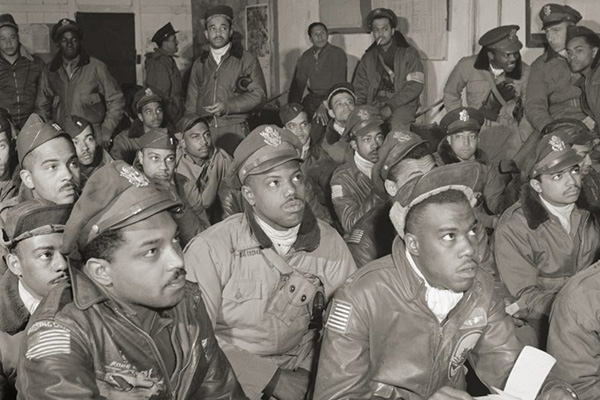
237 51
85 292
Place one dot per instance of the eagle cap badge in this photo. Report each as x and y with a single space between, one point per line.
464 116
271 136
547 9
556 143
135 177
364 114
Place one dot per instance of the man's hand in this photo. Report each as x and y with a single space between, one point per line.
386 111
216 109
558 393
321 115
292 385
448 393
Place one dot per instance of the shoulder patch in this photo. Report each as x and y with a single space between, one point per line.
341 311
477 319
336 191
356 236
416 76
47 338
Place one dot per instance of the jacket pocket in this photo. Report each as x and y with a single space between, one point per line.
240 291
93 107
243 303
292 300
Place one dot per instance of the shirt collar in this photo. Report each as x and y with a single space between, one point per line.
496 71
29 300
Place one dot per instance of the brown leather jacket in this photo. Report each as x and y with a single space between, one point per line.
387 344
110 357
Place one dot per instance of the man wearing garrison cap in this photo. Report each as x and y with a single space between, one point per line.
157 160
76 84
549 234
226 81
582 51
129 321
32 238
390 74
90 155
431 290
266 274
352 191
163 74
495 80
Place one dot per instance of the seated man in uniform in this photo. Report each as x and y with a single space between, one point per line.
402 327
148 106
351 185
32 239
266 274
548 235
157 160
203 164
90 155
129 322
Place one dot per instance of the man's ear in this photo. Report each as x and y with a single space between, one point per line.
14 264
248 195
26 178
536 185
390 187
353 145
140 156
99 271
330 113
412 244
140 117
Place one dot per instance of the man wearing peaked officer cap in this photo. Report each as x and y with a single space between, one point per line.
123 230
352 191
32 237
296 261
501 78
82 83
157 159
582 48
90 155
429 285
390 74
163 74
551 218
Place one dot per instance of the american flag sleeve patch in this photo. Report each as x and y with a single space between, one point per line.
356 236
340 314
49 340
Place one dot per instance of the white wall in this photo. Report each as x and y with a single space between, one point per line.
150 15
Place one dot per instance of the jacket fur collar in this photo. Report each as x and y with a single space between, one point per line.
449 157
399 41
14 313
482 62
536 214
237 51
309 235
57 61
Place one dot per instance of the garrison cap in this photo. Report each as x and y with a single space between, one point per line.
33 217
553 155
462 119
74 125
552 14
35 133
189 120
362 120
290 111
8 20
116 195
163 33
574 31
382 13
65 25
158 138
339 88
462 176
222 11
396 147
145 96
571 131
502 38
265 148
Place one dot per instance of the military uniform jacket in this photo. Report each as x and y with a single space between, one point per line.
592 91
551 91
86 346
239 287
536 256
382 341
163 75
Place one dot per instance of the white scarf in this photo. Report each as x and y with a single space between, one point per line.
283 240
439 301
219 53
305 149
30 302
496 71
338 128
365 166
562 213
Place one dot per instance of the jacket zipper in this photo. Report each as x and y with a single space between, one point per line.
215 87
17 89
154 350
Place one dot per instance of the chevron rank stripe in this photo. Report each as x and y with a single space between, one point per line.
48 343
339 317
